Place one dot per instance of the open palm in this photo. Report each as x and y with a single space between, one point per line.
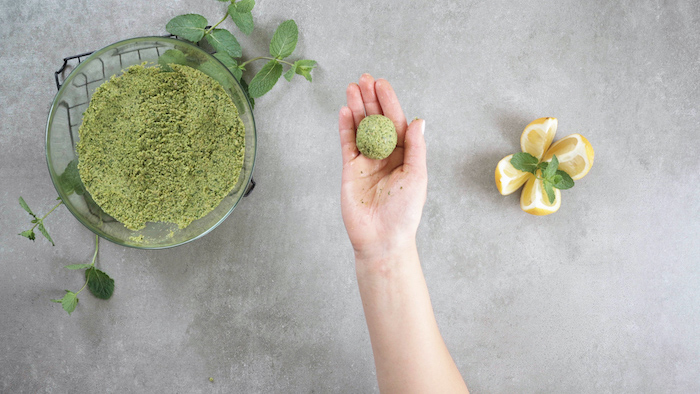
381 200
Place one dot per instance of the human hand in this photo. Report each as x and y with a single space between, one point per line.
381 200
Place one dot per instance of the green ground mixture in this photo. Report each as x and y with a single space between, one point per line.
376 137
160 146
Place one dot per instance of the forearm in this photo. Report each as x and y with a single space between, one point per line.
409 352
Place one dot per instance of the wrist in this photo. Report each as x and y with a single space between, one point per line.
385 259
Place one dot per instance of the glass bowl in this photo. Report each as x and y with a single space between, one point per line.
65 118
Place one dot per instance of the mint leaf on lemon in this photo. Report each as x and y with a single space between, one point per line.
525 162
551 169
563 181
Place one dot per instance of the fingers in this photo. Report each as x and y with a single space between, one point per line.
355 104
346 127
391 108
415 150
369 96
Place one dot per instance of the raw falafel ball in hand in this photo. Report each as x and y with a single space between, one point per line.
376 137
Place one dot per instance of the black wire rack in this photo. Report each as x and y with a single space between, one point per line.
71 62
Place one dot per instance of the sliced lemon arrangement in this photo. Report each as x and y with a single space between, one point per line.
544 168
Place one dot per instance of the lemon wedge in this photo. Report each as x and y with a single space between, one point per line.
575 155
538 135
508 178
533 199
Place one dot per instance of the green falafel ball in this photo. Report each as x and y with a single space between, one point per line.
376 137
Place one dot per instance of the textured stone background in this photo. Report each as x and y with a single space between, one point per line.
603 296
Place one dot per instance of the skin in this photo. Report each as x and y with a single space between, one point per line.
382 202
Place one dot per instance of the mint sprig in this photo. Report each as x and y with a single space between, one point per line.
98 282
551 176
193 27
37 221
525 162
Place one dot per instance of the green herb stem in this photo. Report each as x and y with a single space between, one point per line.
47 214
94 257
86 282
97 246
217 24
266 58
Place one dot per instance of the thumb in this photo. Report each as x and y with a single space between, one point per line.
414 146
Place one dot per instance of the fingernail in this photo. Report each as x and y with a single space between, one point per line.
422 127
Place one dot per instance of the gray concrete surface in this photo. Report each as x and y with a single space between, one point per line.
603 296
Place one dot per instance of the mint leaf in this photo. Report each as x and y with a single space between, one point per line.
562 180
46 233
26 207
244 6
78 266
290 73
524 161
68 302
215 71
226 60
304 67
70 179
230 63
244 85
189 26
549 190
223 41
99 283
172 56
242 19
551 168
284 40
265 79
29 234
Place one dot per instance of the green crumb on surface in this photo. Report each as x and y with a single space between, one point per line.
376 137
138 239
211 379
160 146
